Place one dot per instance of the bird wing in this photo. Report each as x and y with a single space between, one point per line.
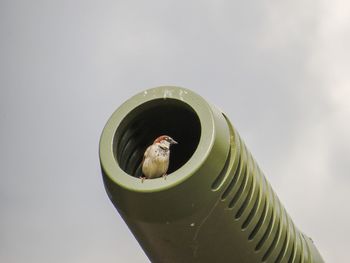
145 154
143 160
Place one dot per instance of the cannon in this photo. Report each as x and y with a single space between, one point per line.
215 205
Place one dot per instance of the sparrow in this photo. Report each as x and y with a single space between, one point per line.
155 161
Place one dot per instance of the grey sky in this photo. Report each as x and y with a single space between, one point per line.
279 70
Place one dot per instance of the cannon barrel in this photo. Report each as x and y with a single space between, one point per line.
215 205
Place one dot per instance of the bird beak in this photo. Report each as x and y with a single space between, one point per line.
173 141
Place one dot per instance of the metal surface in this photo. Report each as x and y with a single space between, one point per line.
215 205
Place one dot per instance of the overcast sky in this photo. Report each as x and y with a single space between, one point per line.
279 69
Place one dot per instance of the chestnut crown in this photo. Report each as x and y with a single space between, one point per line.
165 138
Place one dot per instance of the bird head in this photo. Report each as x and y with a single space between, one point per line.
165 141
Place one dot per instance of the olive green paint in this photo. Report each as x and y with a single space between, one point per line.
217 206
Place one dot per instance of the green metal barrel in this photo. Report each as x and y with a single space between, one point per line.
215 205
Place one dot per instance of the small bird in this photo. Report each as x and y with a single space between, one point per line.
156 158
